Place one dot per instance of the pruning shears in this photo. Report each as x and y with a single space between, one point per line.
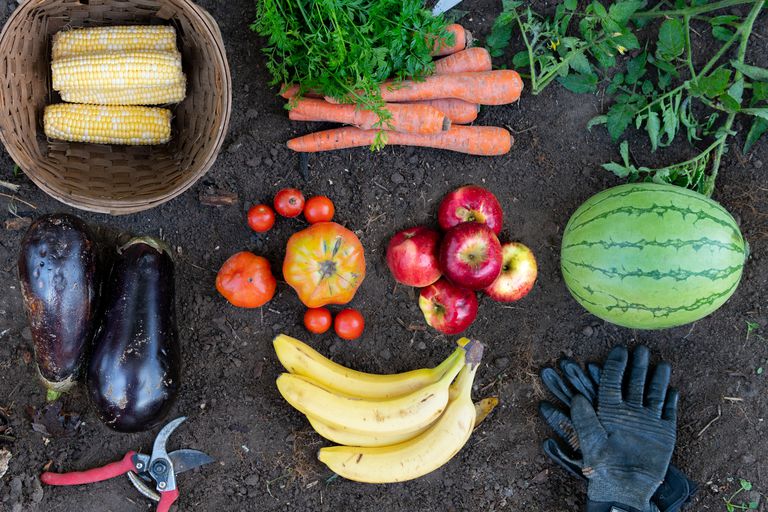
444 5
142 470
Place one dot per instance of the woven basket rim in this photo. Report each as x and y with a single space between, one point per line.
116 206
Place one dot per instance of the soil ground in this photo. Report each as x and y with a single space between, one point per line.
264 449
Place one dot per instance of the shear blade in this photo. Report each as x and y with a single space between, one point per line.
183 460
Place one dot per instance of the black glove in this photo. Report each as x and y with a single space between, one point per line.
674 492
611 437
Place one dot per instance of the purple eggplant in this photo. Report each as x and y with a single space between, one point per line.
58 271
133 375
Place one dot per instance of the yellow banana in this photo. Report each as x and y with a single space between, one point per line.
353 438
422 454
301 359
483 408
394 416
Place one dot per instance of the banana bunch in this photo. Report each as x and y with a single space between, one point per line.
391 428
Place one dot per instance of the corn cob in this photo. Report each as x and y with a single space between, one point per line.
101 124
143 68
128 96
83 41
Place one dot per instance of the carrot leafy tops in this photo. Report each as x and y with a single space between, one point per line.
346 49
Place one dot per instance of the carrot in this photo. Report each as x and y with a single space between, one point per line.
471 59
461 39
498 87
458 111
290 91
295 116
472 140
422 119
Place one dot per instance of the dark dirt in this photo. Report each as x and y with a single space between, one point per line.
265 450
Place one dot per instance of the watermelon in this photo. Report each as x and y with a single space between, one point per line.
652 256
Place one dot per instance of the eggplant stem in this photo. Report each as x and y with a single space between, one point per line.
52 395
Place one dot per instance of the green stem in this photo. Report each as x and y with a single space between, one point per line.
746 31
531 61
692 11
51 395
689 49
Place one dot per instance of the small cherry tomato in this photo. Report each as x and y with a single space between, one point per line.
317 320
289 202
319 209
246 280
349 324
261 218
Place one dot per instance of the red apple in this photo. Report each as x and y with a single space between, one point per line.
470 204
412 256
518 273
448 308
470 255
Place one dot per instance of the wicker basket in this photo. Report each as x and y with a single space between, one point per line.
110 178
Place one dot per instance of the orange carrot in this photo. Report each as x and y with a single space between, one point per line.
295 116
498 87
289 91
458 111
471 59
406 118
461 39
472 140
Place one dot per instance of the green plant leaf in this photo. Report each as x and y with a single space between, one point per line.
521 60
722 33
753 72
671 43
620 12
736 90
636 68
761 112
619 117
617 169
579 83
652 127
599 9
604 56
580 63
670 116
759 127
745 484
616 82
726 19
759 92
571 5
624 152
596 121
714 84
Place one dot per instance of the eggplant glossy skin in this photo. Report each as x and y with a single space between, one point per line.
59 284
133 375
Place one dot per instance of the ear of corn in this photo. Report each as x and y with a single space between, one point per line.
83 41
141 68
102 124
128 95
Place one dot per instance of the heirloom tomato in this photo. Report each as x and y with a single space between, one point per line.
325 264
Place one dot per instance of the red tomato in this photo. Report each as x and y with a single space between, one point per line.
317 320
319 209
289 202
261 218
349 324
246 280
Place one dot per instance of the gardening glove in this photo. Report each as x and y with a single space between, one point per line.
676 489
626 445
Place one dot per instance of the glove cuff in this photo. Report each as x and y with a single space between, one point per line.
601 506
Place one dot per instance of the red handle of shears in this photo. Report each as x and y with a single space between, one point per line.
90 476
167 499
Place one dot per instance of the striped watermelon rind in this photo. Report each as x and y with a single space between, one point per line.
652 256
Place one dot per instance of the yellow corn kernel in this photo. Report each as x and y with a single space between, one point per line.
128 96
113 39
144 68
105 124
